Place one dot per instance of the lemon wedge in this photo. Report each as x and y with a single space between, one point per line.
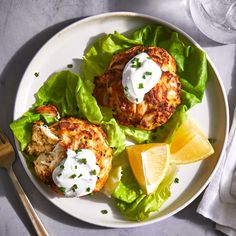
149 163
190 144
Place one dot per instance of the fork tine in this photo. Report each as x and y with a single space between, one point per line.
3 138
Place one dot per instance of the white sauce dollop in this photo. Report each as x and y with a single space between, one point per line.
140 75
77 174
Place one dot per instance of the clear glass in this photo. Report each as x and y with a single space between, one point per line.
215 18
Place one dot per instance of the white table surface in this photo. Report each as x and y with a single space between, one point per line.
25 25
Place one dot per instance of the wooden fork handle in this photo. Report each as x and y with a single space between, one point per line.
39 228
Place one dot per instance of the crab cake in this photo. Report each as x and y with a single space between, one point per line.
49 145
158 104
77 134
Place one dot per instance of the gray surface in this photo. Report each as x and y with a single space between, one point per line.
24 27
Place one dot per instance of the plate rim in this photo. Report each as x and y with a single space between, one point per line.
219 80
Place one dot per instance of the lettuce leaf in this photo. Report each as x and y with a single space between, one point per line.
131 200
70 95
191 68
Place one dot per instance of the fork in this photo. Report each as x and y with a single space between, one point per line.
7 157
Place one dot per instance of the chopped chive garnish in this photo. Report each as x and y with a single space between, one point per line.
144 77
88 189
148 57
74 187
80 175
77 151
72 176
140 86
211 140
126 88
176 180
104 211
93 172
69 65
136 99
62 167
136 63
59 174
83 161
62 189
148 73
36 74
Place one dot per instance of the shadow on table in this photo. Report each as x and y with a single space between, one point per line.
198 219
9 82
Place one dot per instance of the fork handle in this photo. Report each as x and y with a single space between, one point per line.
39 228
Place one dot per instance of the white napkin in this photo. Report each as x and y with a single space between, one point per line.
219 200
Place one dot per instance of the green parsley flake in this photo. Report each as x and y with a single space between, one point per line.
176 180
80 175
83 161
136 63
69 65
126 88
144 77
148 73
36 74
88 189
136 99
75 166
93 172
62 167
72 176
77 151
62 189
74 187
104 212
140 86
59 174
148 57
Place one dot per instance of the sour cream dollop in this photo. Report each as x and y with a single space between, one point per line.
140 75
77 174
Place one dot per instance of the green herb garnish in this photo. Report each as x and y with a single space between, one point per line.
126 88
62 189
80 175
140 86
148 73
104 212
83 161
62 167
72 176
88 189
59 174
136 63
74 187
93 172
36 74
75 166
77 151
69 65
176 180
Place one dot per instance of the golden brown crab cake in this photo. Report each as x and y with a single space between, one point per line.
158 104
75 134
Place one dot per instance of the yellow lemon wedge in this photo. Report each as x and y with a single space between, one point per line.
149 163
190 144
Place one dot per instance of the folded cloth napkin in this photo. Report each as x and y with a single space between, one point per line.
219 200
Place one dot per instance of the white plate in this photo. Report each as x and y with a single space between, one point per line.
68 47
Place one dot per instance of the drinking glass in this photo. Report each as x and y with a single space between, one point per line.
215 18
